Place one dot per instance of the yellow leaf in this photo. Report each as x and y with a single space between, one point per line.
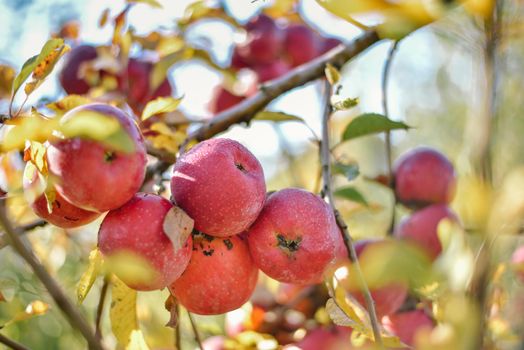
137 341
160 105
168 45
332 74
7 76
36 154
103 18
131 268
67 103
89 276
177 226
123 312
165 138
152 3
27 128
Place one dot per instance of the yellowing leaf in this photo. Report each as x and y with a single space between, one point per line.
276 117
103 18
7 76
165 138
152 3
123 312
89 276
160 105
178 226
27 128
332 74
67 103
137 341
131 268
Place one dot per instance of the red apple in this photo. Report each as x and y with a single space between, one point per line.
264 41
332 338
63 214
424 176
421 228
406 324
237 61
292 239
271 70
220 184
517 259
223 99
328 44
70 75
301 44
93 176
220 277
137 228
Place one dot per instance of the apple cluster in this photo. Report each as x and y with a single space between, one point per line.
81 72
271 50
291 235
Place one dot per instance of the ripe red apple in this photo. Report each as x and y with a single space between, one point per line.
220 277
332 338
93 176
292 239
137 228
220 184
237 60
271 70
69 76
517 259
421 228
264 41
424 176
301 44
388 298
223 99
406 324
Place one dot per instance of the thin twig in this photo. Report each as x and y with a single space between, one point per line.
178 340
195 331
389 152
325 157
74 317
11 343
23 230
246 110
100 308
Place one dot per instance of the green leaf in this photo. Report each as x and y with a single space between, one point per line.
160 105
351 194
123 312
344 104
34 61
350 171
370 123
89 276
277 117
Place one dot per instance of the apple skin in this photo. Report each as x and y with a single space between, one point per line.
333 338
223 99
137 228
220 277
87 178
69 78
64 214
406 324
292 239
220 184
264 41
271 70
424 176
301 44
421 228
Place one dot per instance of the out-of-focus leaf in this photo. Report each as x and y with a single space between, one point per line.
103 18
27 128
281 8
177 226
130 267
169 44
7 76
70 30
332 74
164 137
67 103
35 308
89 276
351 194
99 127
123 312
277 117
137 341
152 3
159 72
120 23
342 104
160 105
350 171
35 153
370 123
196 10
2 298
44 68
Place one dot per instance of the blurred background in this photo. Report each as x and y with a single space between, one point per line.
437 86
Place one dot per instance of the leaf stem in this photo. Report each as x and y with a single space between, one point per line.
11 343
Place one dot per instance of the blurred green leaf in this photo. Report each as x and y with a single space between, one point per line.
160 105
89 276
351 194
350 171
67 103
370 123
152 3
276 117
332 74
344 104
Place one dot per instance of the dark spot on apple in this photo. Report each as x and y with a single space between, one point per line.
109 156
241 167
58 205
228 243
208 252
289 246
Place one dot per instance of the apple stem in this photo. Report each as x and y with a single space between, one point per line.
325 157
